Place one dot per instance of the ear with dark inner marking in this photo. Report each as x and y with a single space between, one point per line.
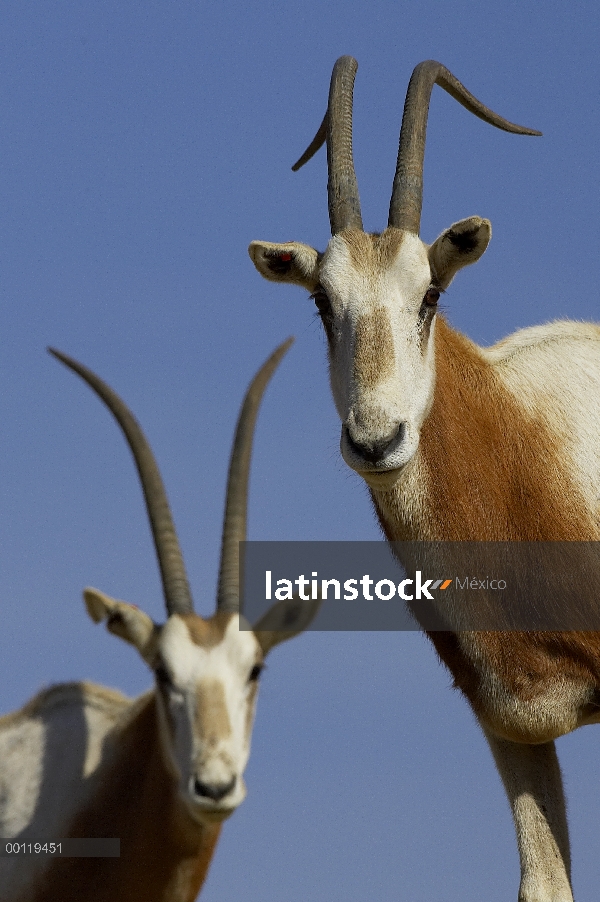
460 245
290 262
123 620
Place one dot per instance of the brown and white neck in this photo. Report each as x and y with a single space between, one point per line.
488 466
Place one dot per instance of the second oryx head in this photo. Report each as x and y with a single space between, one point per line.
206 670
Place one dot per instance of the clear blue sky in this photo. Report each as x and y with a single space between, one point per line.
143 145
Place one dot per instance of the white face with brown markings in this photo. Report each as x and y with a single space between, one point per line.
377 298
207 677
206 688
371 301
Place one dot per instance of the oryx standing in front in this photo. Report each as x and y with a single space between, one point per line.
459 442
163 771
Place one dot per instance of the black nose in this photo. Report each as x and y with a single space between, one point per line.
375 451
214 791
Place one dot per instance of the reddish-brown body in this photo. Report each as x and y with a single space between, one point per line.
488 470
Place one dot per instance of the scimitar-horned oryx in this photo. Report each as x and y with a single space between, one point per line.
160 772
458 442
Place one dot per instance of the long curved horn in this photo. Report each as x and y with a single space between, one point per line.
336 129
236 503
407 193
178 597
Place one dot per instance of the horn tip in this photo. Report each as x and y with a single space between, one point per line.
64 358
287 344
282 350
347 60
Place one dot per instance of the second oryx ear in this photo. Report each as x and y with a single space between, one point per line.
290 262
284 620
123 619
460 245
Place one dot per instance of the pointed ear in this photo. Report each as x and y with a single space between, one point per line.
289 262
460 245
284 620
124 620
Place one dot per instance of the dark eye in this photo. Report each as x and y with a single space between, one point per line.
432 296
162 675
255 673
322 303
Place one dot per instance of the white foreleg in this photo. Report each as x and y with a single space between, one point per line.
533 782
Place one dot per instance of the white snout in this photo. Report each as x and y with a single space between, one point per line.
213 799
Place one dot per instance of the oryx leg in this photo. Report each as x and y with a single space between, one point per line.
533 782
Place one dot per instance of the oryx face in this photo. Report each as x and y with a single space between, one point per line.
377 298
207 678
377 305
206 675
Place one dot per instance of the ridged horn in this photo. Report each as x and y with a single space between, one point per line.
407 193
178 597
336 130
236 502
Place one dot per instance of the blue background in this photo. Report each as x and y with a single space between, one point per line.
142 146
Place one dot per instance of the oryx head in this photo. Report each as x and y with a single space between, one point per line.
206 670
377 294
